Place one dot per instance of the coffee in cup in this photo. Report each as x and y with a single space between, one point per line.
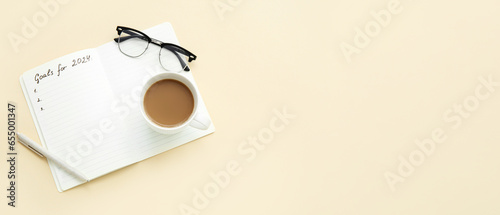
170 103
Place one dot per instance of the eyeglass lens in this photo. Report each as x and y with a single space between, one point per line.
132 43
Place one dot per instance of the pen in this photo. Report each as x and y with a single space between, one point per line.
42 152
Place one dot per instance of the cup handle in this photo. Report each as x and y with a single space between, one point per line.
200 121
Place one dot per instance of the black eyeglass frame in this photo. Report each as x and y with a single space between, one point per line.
169 46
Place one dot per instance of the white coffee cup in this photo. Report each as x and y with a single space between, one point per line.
195 120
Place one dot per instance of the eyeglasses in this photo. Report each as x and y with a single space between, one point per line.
134 43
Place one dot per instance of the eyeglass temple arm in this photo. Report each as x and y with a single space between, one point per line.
175 49
184 66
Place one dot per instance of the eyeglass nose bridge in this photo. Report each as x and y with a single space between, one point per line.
157 42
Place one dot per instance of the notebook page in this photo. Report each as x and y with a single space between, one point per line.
127 76
66 97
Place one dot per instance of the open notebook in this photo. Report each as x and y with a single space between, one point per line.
86 109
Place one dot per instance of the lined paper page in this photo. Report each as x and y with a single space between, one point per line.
91 116
126 77
68 96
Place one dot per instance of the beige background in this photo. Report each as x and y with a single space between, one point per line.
353 120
